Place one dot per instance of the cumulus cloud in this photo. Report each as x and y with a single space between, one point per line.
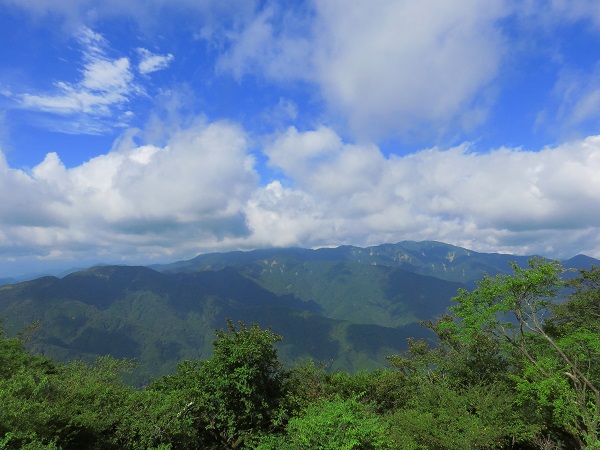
133 201
201 191
487 201
18 194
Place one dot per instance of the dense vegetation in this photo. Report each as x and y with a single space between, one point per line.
515 365
349 306
351 315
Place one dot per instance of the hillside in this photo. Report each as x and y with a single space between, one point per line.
347 307
432 258
160 319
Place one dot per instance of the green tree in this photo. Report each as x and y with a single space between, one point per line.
158 420
458 395
334 424
442 416
22 376
49 405
555 363
237 394
575 328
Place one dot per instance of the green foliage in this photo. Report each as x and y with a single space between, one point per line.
515 366
555 361
383 390
442 416
73 406
458 395
332 425
243 383
158 420
508 306
238 391
478 361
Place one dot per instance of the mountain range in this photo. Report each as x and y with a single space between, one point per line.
347 307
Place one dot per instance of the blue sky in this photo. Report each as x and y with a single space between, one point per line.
149 131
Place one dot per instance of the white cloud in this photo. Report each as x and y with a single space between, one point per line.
389 67
577 102
133 202
105 87
201 192
267 49
507 199
407 67
299 153
151 62
23 203
107 76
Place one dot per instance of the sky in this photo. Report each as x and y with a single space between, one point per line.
145 131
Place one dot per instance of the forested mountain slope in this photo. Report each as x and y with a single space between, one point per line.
433 258
347 307
160 319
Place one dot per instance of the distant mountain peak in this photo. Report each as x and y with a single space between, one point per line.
431 257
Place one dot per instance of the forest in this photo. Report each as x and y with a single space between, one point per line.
515 365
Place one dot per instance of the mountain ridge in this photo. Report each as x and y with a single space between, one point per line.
347 306
434 258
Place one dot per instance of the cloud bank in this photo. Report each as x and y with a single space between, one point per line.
201 192
140 202
506 199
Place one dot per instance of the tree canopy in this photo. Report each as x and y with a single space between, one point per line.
515 366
